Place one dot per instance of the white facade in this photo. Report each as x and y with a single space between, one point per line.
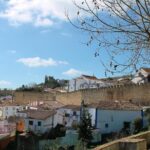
8 111
39 125
113 120
68 117
142 76
6 127
85 82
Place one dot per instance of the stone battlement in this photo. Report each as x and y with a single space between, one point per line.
136 92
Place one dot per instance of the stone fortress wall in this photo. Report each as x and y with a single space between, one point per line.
135 92
28 97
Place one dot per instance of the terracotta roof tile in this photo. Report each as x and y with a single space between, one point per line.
39 114
90 77
73 107
146 69
116 105
50 105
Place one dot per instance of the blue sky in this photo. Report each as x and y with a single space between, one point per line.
37 40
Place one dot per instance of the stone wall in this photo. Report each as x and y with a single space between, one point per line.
70 98
137 92
26 97
123 92
139 142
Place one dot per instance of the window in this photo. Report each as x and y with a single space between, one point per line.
148 78
74 113
30 122
126 125
39 123
67 115
106 125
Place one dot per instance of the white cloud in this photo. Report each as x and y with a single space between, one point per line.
37 12
72 72
4 83
45 22
39 62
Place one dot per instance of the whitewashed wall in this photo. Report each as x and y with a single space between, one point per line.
8 111
92 112
115 119
46 124
69 120
140 77
85 83
75 84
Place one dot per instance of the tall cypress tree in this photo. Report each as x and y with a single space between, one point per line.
85 132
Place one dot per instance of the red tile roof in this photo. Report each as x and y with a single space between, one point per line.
89 77
50 105
115 105
146 69
39 114
73 107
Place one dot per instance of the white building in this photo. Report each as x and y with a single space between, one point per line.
39 121
112 116
6 127
9 109
86 82
68 115
142 76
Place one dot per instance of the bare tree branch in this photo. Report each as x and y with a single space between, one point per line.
118 28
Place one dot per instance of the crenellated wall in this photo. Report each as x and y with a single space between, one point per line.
26 97
70 98
137 92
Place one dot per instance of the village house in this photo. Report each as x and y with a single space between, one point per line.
9 109
68 115
113 116
118 80
7 127
38 121
86 82
6 97
142 76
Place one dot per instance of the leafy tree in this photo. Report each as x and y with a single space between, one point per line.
46 79
50 82
85 132
54 145
118 28
29 88
147 115
79 145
